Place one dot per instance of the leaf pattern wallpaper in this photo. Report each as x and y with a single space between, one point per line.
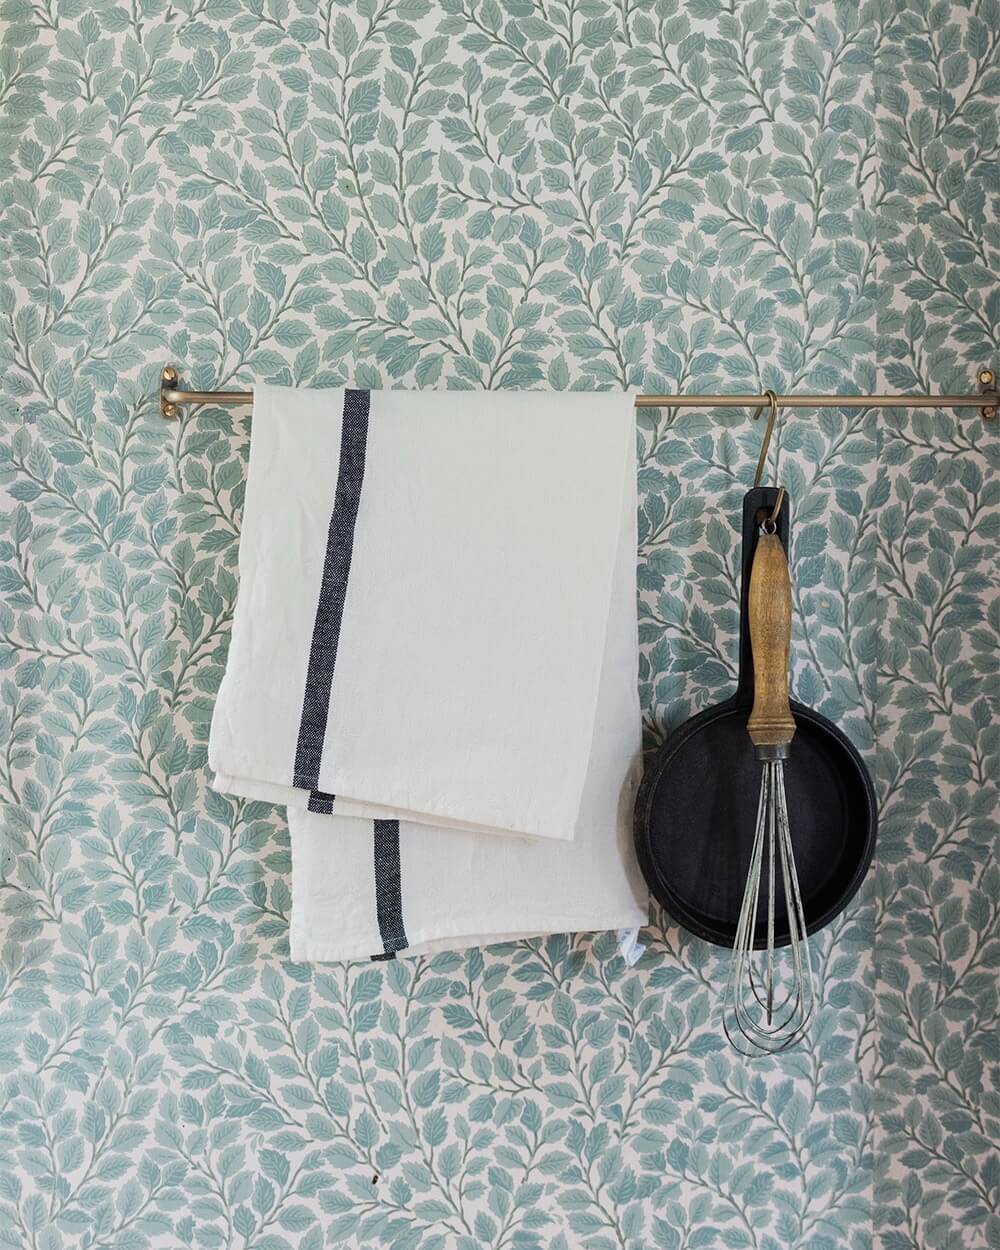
575 194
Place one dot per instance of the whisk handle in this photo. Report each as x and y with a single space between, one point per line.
771 725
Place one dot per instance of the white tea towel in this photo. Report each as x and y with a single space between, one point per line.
421 625
363 888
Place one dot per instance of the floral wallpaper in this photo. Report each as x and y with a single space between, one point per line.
937 884
665 194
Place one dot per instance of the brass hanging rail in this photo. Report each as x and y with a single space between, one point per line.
172 398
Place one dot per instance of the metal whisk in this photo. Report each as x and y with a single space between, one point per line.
765 1009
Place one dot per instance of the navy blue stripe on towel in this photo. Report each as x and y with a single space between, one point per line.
333 591
320 802
388 890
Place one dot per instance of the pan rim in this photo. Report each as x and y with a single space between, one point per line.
659 885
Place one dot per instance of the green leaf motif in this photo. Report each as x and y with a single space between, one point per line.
481 194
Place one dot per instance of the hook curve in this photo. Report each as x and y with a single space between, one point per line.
772 400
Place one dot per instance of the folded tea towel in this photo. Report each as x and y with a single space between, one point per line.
423 614
363 888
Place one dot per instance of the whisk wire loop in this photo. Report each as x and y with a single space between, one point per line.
753 1015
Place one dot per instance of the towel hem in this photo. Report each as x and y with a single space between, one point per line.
436 942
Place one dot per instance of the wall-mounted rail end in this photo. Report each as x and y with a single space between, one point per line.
987 384
169 377
172 398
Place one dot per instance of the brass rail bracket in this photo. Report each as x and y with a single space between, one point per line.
987 384
169 377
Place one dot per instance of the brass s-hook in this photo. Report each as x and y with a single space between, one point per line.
772 400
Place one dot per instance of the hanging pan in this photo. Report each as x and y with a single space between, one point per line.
696 807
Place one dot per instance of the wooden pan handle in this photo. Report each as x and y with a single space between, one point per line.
771 725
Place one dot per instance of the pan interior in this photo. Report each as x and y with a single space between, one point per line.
697 824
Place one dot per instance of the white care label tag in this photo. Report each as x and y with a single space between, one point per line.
629 946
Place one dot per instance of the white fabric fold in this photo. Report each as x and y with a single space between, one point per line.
463 889
434 664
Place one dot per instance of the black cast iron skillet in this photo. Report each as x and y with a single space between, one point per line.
697 804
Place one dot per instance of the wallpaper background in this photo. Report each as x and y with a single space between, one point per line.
687 194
